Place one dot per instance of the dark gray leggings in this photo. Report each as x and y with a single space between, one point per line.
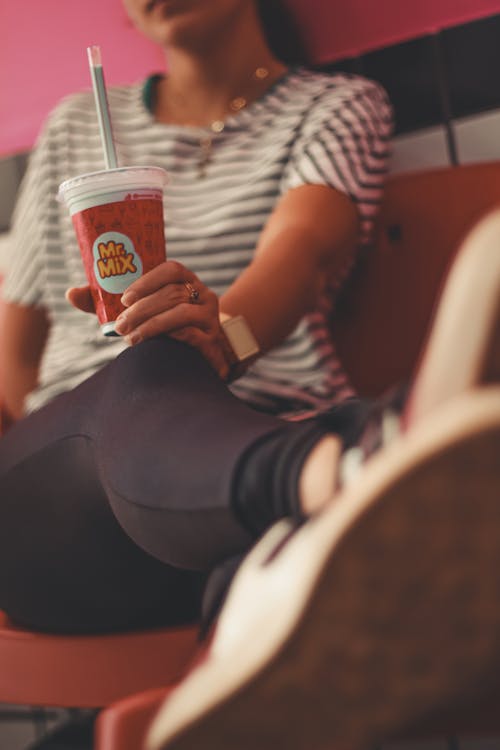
115 499
119 498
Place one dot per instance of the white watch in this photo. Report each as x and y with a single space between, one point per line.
240 337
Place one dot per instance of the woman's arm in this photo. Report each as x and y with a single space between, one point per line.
310 236
23 336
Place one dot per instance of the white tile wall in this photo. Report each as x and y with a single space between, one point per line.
478 137
421 150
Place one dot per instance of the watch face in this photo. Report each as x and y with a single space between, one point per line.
241 338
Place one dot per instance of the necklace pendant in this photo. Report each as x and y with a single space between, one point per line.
217 126
205 156
239 102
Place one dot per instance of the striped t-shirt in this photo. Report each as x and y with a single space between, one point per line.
308 127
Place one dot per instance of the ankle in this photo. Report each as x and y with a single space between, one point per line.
318 477
268 479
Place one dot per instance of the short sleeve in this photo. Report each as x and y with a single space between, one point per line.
36 210
344 142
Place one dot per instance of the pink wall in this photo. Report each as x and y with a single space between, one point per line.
42 45
43 57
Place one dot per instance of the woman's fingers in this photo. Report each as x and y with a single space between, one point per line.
163 288
171 297
165 301
169 272
171 300
80 297
183 315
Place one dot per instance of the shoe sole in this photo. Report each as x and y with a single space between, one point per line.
397 616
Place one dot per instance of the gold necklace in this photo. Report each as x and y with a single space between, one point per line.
217 126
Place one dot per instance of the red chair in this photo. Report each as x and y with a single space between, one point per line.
89 671
379 330
383 317
123 725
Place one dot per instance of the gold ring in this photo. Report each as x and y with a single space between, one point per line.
193 293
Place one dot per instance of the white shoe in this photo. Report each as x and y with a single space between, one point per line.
373 615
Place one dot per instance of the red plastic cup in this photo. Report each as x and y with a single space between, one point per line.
118 219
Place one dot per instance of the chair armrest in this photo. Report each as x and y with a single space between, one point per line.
123 725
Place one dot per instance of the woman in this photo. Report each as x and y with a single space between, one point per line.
140 473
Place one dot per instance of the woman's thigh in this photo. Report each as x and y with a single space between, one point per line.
115 498
66 565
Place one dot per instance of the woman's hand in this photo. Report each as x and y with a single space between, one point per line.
162 302
81 298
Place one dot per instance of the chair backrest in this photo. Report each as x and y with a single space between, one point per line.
383 316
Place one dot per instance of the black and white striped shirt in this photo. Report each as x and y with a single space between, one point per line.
308 128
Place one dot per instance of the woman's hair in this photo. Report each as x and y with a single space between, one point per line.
281 32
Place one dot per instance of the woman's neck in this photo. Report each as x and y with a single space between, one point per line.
200 85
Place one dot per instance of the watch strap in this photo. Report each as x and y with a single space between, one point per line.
240 338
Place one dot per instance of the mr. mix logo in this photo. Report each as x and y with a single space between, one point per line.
116 263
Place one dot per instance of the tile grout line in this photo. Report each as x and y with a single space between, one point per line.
444 97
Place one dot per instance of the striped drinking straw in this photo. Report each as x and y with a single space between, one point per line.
101 102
